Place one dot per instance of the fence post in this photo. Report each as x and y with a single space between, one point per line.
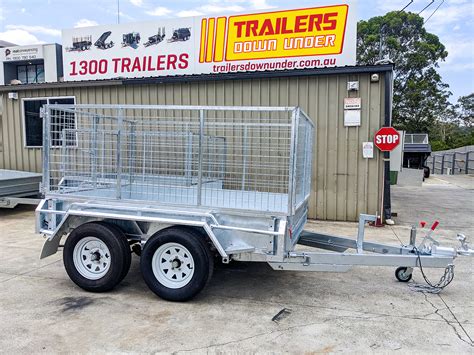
244 157
453 167
63 155
94 149
466 167
119 158
201 142
44 114
442 164
294 115
434 159
131 143
188 164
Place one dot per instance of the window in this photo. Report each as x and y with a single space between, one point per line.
31 73
40 73
21 73
34 123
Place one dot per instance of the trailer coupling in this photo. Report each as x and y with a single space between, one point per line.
428 254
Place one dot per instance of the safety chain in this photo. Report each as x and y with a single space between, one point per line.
444 281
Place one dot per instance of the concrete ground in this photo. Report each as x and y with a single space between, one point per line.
363 310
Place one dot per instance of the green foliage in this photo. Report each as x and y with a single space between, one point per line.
420 98
405 41
451 136
465 109
456 129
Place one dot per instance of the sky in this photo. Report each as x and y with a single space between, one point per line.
40 21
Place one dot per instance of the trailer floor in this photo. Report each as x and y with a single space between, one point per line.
364 310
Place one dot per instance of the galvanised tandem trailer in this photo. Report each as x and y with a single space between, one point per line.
184 185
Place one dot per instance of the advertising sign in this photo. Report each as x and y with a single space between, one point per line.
323 36
13 54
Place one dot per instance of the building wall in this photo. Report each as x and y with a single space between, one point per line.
52 68
51 59
344 183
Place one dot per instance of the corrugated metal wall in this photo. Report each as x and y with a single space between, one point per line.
344 184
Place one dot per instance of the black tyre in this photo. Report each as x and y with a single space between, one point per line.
97 256
176 263
426 172
126 247
402 274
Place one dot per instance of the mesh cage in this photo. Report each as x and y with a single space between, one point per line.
246 158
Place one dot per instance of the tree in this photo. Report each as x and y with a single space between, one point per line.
449 135
465 108
455 128
420 96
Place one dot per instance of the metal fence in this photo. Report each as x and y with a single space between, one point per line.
247 158
451 163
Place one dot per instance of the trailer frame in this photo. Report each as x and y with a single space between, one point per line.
244 226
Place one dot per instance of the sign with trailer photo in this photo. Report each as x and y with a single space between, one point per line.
315 37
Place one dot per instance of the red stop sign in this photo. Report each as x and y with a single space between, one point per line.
386 139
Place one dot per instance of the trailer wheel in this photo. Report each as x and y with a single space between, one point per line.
403 274
426 172
97 256
176 263
127 250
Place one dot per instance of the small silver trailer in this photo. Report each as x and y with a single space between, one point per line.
184 185
19 187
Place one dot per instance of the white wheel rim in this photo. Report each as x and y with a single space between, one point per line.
92 258
173 265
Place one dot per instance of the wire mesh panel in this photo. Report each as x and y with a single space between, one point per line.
416 138
220 157
304 148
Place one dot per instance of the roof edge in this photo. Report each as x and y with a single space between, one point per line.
60 84
263 74
363 69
